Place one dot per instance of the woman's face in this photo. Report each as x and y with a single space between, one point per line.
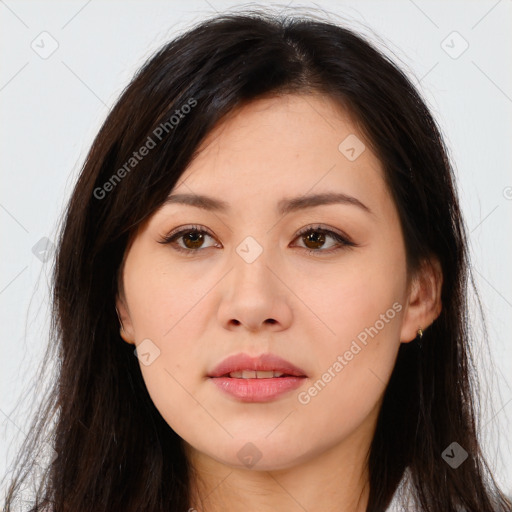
245 283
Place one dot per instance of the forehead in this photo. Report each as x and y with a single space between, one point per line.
285 146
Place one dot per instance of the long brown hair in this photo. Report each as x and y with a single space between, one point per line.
114 450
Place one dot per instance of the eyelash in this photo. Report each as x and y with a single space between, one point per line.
343 240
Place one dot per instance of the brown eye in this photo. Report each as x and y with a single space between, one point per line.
192 239
315 238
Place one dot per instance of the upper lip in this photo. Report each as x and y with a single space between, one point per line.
263 362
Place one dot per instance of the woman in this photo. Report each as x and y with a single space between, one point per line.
268 220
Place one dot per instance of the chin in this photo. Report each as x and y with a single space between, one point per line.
260 454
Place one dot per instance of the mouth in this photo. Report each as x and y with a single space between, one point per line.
256 379
258 374
259 367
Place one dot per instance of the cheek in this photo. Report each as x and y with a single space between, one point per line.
160 298
356 342
346 299
166 308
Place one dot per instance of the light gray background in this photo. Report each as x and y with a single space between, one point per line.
52 107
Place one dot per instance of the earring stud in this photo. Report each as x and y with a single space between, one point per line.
420 333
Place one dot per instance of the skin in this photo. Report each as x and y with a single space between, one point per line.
306 308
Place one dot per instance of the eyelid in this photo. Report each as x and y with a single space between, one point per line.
325 229
183 230
180 229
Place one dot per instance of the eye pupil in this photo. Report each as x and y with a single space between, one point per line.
316 237
197 240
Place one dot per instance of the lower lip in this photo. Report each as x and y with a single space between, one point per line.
257 390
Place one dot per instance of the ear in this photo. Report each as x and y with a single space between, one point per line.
424 300
126 325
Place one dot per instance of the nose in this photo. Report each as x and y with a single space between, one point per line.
254 295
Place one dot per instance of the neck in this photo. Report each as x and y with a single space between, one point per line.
335 479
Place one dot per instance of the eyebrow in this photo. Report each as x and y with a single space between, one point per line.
284 206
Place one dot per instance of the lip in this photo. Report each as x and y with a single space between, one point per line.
254 389
263 362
